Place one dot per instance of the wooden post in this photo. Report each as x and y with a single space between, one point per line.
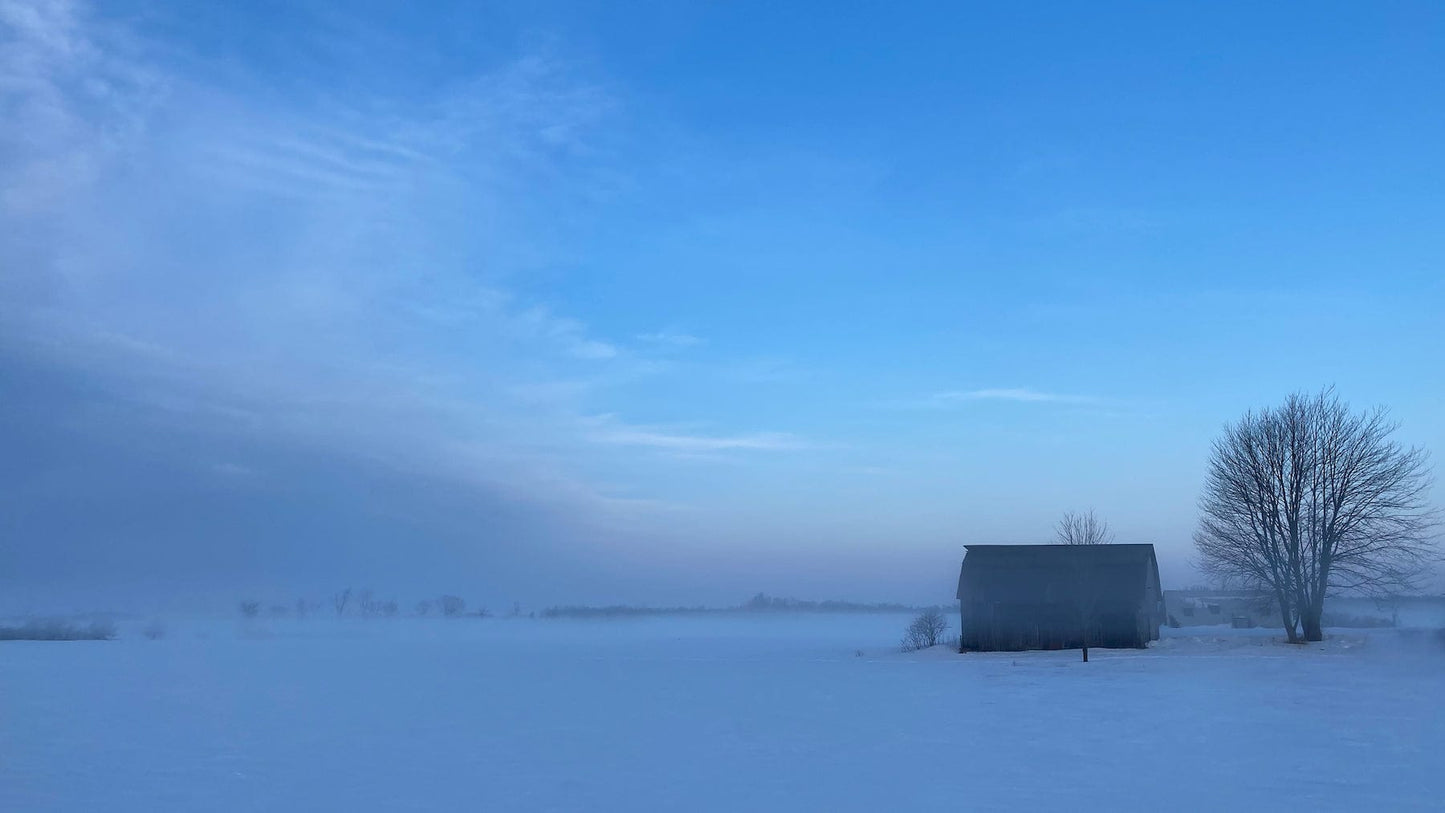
962 626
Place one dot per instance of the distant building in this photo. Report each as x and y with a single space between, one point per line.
1233 608
1016 597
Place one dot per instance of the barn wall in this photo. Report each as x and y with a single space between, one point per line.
997 626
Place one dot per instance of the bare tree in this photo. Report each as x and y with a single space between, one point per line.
340 600
925 631
1308 499
250 608
452 606
1083 529
423 608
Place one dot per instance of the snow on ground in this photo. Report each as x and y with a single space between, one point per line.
718 713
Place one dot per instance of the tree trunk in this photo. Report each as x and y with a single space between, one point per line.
1311 619
1313 613
1086 653
1289 623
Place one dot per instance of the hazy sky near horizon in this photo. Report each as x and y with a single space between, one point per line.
674 302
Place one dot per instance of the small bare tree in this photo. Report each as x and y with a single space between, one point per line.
1309 498
925 631
250 608
423 608
340 600
1083 529
453 606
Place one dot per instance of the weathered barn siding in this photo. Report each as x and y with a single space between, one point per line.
1017 597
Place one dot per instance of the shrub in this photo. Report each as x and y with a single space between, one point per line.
925 631
155 630
250 608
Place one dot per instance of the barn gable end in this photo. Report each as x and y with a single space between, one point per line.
1016 597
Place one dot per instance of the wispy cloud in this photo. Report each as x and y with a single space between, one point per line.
1020 395
228 469
334 275
567 333
762 370
607 430
669 338
69 102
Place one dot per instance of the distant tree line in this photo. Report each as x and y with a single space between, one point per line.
760 603
365 603
58 629
619 611
766 603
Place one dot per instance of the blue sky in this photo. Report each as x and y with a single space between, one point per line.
570 301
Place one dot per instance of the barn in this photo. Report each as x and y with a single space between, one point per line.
1016 597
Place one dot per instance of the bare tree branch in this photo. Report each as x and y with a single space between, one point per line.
1083 529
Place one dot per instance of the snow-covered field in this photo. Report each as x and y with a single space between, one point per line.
722 713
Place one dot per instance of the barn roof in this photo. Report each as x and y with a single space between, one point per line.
1042 573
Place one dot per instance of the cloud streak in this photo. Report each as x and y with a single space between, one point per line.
607 430
669 338
1008 394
